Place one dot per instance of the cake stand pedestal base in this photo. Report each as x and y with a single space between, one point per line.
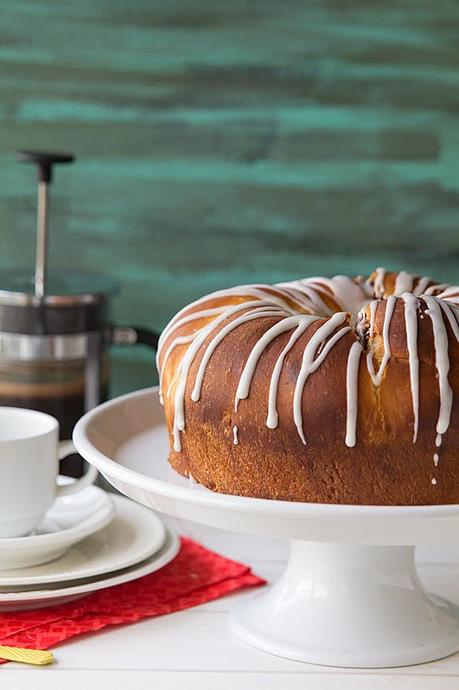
349 606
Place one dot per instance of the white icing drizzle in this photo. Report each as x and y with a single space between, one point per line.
373 306
348 295
377 377
436 288
434 481
411 325
249 316
378 287
286 303
260 292
187 361
272 419
441 362
288 324
195 316
178 341
306 296
352 380
313 366
173 325
421 286
403 283
450 293
309 365
451 316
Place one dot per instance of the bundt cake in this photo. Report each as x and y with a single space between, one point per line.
330 390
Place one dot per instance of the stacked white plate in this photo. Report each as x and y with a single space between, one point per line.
88 541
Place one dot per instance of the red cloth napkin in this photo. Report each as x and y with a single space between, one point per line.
195 576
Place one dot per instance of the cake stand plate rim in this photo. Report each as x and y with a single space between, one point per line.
90 429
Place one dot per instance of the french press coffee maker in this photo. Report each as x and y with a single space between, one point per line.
55 327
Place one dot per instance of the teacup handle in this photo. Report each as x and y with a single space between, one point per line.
66 448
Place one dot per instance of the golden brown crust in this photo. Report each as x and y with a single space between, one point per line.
385 467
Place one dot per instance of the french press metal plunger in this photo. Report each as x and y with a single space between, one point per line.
55 327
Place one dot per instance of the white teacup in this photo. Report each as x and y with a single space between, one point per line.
29 464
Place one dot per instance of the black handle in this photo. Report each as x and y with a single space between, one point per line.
44 162
132 335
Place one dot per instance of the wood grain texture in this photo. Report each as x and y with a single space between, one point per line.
229 142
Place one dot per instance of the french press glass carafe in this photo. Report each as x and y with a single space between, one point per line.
55 327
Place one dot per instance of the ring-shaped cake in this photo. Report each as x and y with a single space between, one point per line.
330 390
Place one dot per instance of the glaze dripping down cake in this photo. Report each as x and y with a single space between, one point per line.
330 390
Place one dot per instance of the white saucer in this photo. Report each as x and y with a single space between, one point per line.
134 534
69 520
54 594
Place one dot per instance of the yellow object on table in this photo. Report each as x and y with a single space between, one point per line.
38 657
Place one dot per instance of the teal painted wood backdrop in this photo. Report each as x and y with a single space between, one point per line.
232 141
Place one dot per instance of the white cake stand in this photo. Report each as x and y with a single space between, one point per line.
350 595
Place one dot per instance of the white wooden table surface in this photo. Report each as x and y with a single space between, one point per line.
195 649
